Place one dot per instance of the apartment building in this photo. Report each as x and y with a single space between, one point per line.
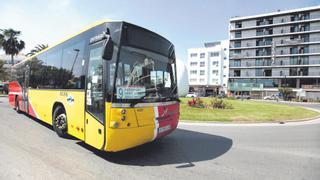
276 49
208 68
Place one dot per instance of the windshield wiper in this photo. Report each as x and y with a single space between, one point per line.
134 103
171 93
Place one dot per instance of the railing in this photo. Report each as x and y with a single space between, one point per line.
311 17
314 73
263 33
306 51
278 42
314 28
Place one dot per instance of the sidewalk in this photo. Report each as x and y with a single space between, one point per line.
285 102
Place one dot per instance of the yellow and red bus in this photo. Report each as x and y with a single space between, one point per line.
112 85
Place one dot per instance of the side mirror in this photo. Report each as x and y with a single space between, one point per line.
108 49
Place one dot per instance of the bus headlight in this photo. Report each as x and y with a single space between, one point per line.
114 124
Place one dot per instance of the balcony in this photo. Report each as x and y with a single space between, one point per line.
283 33
277 43
312 18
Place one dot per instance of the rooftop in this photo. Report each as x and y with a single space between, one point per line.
279 12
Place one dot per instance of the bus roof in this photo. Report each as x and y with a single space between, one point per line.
69 37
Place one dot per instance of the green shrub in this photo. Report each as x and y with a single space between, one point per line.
217 103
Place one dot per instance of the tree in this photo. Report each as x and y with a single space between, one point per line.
1 40
37 49
4 76
285 91
10 42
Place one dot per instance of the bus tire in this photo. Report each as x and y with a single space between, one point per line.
59 121
17 107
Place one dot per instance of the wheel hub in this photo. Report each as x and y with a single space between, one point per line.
61 121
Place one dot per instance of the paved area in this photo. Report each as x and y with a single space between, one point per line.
30 149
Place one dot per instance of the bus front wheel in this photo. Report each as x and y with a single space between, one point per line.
59 121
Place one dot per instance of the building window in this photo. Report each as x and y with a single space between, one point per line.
214 81
215 63
237 73
202 55
202 64
238 34
202 72
215 72
305 16
294 50
237 63
214 54
293 71
294 17
237 44
201 80
193 80
267 72
193 63
259 72
193 72
238 24
193 55
294 28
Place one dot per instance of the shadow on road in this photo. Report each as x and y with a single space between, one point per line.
46 125
182 147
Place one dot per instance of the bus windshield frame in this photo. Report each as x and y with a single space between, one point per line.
145 49
144 76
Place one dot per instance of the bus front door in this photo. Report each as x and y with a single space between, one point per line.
94 118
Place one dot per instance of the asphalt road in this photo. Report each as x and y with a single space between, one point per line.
30 149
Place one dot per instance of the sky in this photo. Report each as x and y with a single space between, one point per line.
186 23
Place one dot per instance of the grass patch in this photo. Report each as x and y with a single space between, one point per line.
245 111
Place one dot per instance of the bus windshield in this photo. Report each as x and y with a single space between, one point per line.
144 76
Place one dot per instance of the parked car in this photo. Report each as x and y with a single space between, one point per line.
272 97
6 88
242 96
221 95
1 88
191 94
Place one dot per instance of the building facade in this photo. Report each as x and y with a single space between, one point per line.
208 68
275 50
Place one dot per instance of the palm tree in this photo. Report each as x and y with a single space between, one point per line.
10 42
37 49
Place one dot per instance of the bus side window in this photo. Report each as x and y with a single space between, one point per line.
37 71
52 68
72 76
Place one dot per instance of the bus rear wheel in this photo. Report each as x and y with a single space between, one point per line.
59 121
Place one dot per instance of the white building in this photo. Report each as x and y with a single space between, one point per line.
182 78
274 50
208 68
